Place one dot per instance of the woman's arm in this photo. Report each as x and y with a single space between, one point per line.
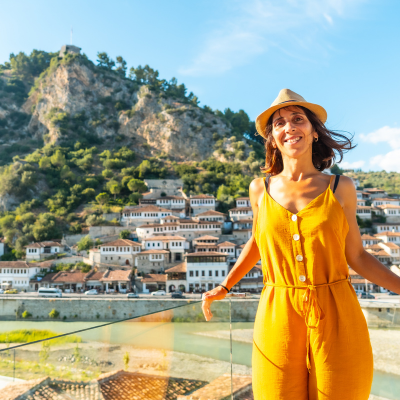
247 259
360 260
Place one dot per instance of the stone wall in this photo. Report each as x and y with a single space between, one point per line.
378 315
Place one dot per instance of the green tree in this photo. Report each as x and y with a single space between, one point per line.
107 173
144 168
45 163
115 189
124 234
103 61
86 243
137 185
103 198
58 159
121 66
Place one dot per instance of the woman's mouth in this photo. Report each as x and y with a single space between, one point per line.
292 140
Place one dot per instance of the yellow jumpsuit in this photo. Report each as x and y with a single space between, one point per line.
311 339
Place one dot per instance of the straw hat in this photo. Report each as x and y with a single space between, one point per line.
285 98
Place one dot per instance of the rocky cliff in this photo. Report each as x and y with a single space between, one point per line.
75 100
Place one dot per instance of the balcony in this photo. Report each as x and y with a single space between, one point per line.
169 352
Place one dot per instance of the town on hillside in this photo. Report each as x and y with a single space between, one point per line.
177 243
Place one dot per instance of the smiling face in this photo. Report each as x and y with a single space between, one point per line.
292 132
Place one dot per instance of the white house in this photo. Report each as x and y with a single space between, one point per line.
385 200
200 203
364 212
205 270
238 213
118 252
389 237
16 274
176 245
188 228
362 195
210 215
173 203
369 240
361 202
390 211
40 250
228 248
137 215
386 227
374 193
152 261
252 282
243 202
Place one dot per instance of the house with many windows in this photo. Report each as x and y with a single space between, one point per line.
176 278
243 202
386 227
139 215
239 213
200 203
17 274
152 261
205 271
175 245
41 250
188 228
118 252
390 211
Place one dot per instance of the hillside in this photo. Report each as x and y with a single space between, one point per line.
77 139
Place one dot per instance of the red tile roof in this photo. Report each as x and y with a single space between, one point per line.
121 242
116 275
210 212
43 244
148 278
17 264
164 238
146 208
178 268
206 237
154 252
226 244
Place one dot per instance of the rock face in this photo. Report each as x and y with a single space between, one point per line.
77 98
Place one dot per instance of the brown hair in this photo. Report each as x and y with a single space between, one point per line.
323 151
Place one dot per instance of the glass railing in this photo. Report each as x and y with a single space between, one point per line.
165 350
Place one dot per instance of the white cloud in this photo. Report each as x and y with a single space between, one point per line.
389 161
258 25
384 134
352 165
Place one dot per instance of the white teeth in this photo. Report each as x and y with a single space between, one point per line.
293 140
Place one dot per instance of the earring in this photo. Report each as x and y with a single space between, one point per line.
316 139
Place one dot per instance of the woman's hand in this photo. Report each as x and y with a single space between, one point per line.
217 293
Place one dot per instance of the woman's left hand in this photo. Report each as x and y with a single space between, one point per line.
217 293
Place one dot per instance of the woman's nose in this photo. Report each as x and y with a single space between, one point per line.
289 127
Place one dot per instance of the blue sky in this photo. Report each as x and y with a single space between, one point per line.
342 54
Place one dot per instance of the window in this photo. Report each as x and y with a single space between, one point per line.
222 273
216 273
191 273
197 273
203 273
209 273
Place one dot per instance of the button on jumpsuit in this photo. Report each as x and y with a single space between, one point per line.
311 339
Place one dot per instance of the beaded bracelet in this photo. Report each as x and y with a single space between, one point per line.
224 288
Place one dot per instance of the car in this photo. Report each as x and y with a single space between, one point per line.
177 295
365 295
132 296
11 291
91 292
393 294
158 293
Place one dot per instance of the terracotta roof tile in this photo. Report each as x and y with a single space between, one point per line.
121 242
154 252
206 253
178 268
17 264
210 212
43 244
148 278
164 238
226 244
207 237
116 275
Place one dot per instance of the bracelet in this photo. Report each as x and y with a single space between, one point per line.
224 288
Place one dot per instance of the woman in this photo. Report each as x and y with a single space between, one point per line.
311 339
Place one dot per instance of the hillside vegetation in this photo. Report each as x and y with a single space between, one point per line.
77 139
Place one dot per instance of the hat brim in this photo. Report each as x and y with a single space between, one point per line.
262 119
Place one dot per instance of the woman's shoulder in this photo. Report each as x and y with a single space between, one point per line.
256 190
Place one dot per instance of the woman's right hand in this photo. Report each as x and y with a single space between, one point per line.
218 293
